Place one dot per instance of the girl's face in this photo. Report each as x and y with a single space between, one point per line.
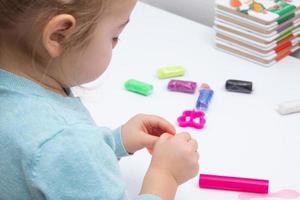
83 66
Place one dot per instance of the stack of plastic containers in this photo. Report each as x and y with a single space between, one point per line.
263 31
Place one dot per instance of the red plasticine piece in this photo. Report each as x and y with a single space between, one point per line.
235 3
284 46
287 39
280 57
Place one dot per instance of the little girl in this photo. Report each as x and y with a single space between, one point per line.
50 148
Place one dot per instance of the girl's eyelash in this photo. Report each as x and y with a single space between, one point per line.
116 39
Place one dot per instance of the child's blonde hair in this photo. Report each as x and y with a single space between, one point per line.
22 21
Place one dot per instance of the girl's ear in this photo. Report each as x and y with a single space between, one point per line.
58 30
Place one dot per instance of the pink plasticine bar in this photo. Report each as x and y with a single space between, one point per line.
233 183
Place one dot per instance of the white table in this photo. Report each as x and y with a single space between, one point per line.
244 135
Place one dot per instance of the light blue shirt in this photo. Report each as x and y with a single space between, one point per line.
50 147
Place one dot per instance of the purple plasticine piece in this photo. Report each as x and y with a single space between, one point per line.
182 86
284 26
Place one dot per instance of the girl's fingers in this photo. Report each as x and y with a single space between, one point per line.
165 136
157 125
149 140
194 144
197 156
185 136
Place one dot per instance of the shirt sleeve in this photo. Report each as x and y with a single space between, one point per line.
148 197
80 163
119 147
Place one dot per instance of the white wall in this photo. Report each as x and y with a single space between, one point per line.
198 10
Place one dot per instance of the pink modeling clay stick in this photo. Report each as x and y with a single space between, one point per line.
233 183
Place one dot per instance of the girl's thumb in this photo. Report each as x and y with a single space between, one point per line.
150 140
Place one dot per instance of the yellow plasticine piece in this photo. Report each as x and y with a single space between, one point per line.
258 7
169 72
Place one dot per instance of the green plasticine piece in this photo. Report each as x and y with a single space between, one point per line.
284 36
284 9
286 18
138 87
170 72
286 31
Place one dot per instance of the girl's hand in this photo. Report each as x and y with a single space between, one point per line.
177 156
143 131
174 161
